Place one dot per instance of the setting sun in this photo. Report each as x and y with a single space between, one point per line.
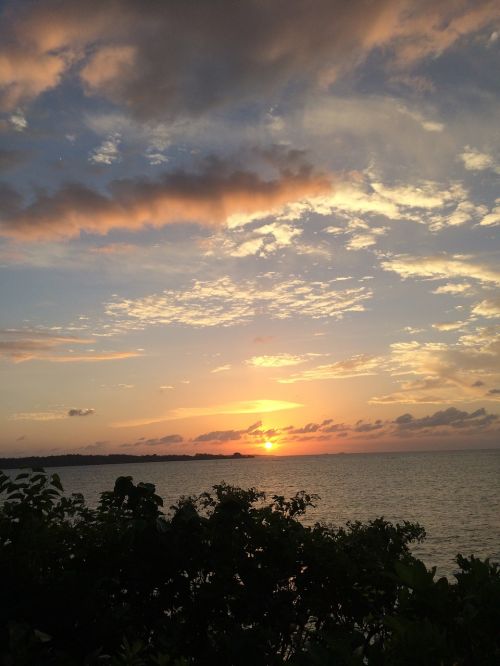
268 445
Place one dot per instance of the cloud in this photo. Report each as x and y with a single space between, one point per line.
92 357
367 196
489 308
223 302
259 406
21 345
364 195
474 160
159 441
356 366
18 121
444 373
261 241
96 447
81 412
166 59
493 217
445 326
450 417
38 416
454 288
439 267
25 345
221 368
219 436
208 197
276 361
108 152
231 435
448 421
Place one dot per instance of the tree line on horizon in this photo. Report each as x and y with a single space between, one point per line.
72 459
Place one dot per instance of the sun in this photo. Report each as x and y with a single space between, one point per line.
268 445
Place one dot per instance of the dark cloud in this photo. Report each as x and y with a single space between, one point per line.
171 58
404 418
253 430
219 436
451 417
337 427
96 447
206 197
81 412
172 439
494 391
167 439
254 426
404 425
316 431
309 427
362 426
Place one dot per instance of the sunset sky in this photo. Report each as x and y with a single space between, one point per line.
224 223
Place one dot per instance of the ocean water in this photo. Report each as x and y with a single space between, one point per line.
454 495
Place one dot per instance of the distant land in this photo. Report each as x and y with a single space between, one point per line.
77 459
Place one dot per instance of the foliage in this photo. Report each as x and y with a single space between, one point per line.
228 578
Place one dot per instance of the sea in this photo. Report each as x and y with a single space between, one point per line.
454 495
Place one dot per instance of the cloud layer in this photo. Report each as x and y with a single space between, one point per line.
164 59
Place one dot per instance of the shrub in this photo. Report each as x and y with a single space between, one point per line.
228 578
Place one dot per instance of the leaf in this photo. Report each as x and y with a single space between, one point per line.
56 481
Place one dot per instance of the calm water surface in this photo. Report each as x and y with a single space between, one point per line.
454 495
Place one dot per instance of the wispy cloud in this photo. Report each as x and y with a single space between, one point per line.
489 308
224 302
438 267
38 416
260 406
445 373
355 366
26 345
277 360
221 368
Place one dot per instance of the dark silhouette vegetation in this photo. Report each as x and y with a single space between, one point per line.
78 459
228 578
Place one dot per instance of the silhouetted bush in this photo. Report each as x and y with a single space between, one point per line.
228 579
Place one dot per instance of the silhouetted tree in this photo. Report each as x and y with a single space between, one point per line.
228 578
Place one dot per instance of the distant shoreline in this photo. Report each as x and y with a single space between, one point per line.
77 460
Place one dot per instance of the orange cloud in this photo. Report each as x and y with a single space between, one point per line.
207 198
140 55
19 346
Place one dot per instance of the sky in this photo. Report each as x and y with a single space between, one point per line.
230 223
